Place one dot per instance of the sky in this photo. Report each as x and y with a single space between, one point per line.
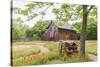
49 15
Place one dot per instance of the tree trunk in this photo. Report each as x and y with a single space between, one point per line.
83 32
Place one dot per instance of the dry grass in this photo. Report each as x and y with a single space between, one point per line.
23 51
91 47
28 53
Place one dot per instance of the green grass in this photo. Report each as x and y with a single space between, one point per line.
24 56
91 47
23 52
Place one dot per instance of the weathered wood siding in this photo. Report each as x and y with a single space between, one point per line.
64 34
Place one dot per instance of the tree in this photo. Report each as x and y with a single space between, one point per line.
29 33
91 32
37 30
83 31
18 28
28 11
77 26
40 27
91 29
63 14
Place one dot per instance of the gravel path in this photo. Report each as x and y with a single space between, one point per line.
92 57
26 47
22 47
43 49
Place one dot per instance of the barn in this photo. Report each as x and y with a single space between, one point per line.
64 32
51 33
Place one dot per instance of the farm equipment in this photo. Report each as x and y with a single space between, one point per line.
68 48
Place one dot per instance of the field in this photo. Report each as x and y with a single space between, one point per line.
46 52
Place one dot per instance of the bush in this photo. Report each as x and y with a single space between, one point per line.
53 56
35 51
36 37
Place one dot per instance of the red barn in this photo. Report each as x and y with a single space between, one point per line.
65 32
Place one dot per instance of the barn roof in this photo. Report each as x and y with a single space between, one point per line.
52 23
66 26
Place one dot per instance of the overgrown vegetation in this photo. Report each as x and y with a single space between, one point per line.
91 47
28 53
91 29
21 51
33 55
63 14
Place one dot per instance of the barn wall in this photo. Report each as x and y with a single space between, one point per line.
61 34
67 35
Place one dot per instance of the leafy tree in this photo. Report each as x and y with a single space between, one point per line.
16 33
28 11
29 33
86 10
91 29
77 27
40 27
91 32
37 30
63 14
18 28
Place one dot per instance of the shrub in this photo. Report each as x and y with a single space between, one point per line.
35 51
